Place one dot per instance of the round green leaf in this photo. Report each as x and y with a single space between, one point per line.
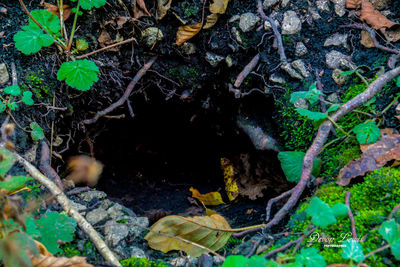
27 98
30 40
309 257
13 90
79 74
367 132
352 250
292 164
89 4
37 131
47 19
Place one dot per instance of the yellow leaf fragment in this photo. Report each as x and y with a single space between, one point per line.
162 8
219 6
209 199
231 187
187 32
211 20
189 234
210 212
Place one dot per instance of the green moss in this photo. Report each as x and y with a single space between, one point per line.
36 83
184 75
142 262
371 202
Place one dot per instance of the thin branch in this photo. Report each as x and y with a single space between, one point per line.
275 199
393 212
126 95
247 69
377 250
350 213
106 48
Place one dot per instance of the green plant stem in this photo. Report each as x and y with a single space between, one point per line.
361 77
338 126
73 27
331 142
377 250
363 113
390 104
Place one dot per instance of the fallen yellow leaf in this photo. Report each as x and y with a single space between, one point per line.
231 187
209 199
187 32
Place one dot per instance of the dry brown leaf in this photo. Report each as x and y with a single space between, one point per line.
373 17
353 4
211 20
374 157
170 232
42 249
392 34
46 261
187 32
252 189
139 9
105 40
55 10
219 6
209 199
84 169
162 8
366 40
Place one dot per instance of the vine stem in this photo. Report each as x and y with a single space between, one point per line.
73 27
106 48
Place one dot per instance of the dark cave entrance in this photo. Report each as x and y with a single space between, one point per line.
151 160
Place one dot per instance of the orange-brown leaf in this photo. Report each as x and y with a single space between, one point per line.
187 32
46 261
373 17
56 11
139 9
219 6
366 39
355 4
211 20
374 157
209 199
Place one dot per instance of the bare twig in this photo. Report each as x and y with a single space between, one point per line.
126 95
245 72
275 199
70 210
78 190
106 48
350 213
377 250
393 212
320 139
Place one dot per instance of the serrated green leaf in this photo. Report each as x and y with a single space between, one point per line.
333 108
79 74
47 19
292 164
8 160
55 227
367 132
89 4
30 40
27 98
352 250
309 257
13 90
37 131
312 95
31 227
298 95
390 231
340 209
15 183
322 215
313 115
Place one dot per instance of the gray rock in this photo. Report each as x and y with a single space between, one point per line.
291 23
340 7
106 203
276 78
188 48
136 252
151 35
4 77
381 4
301 68
338 79
137 225
89 196
333 98
267 25
79 207
314 13
292 73
234 18
115 232
398 109
117 212
301 49
301 103
217 261
248 21
213 59
97 215
285 3
184 261
337 40
335 60
270 3
323 5
30 155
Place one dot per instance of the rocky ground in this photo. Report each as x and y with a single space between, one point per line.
186 113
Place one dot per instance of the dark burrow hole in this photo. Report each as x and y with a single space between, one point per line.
151 160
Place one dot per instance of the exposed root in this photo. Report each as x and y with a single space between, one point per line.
318 143
46 168
126 95
350 213
245 72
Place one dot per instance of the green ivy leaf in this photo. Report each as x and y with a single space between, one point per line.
37 131
89 4
390 231
13 90
333 108
352 250
55 227
15 183
340 209
312 95
322 214
12 105
30 41
313 115
367 132
292 165
27 98
7 161
79 74
309 257
47 19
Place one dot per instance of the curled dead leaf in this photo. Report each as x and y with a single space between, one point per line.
209 199
84 169
105 40
373 17
211 20
162 8
219 6
366 40
187 32
67 10
180 233
139 9
353 4
374 157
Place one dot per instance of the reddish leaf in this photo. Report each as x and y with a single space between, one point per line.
55 10
139 9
